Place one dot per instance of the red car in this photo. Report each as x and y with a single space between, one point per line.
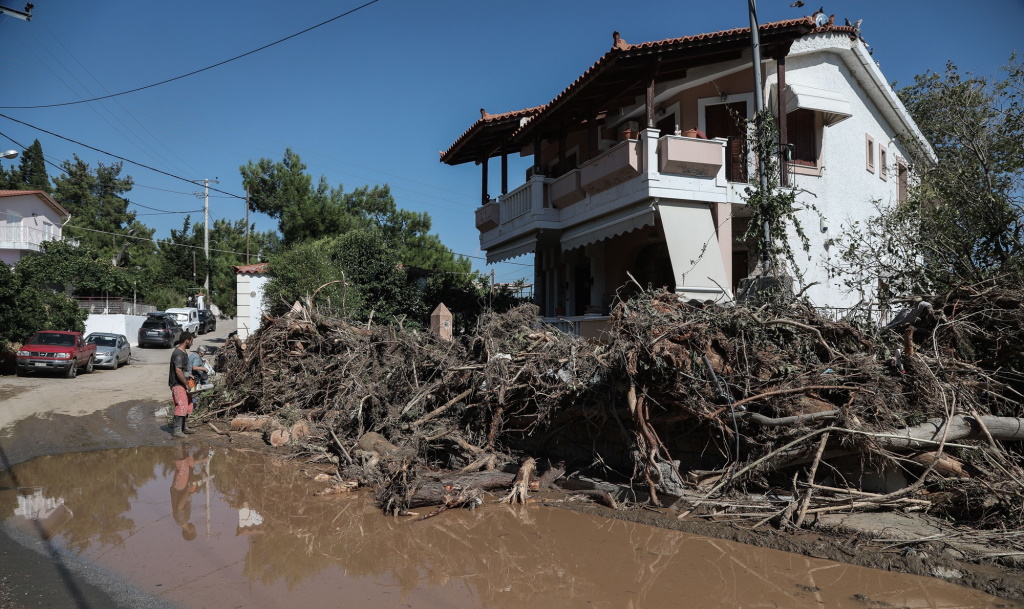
54 351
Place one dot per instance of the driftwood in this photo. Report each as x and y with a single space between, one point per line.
456 490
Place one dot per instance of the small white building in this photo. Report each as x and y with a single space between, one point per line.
29 217
250 280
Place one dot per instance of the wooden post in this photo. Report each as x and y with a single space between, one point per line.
504 170
483 183
650 99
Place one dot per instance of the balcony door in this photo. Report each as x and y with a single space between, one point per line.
724 120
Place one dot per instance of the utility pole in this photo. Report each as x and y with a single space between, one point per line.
247 225
755 44
206 231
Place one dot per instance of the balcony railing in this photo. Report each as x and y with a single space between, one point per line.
24 238
516 203
113 306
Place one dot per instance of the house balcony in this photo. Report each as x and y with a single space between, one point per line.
24 238
668 168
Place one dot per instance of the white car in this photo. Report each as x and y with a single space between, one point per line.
187 318
112 350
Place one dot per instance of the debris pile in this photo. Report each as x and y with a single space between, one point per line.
773 414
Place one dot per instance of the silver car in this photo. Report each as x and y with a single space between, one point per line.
112 350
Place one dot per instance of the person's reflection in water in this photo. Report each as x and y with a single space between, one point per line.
186 482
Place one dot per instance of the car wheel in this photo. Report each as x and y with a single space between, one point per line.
72 370
128 359
19 372
89 366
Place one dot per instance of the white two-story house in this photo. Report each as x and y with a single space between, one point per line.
27 219
640 166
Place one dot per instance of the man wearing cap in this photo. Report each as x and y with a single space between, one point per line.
178 380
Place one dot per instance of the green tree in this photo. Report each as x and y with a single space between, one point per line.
32 173
970 201
963 219
355 273
97 201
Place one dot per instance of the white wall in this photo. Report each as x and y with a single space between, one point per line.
845 190
116 324
249 303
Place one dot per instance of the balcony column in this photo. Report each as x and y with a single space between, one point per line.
537 200
598 271
540 291
649 153
504 170
483 182
723 223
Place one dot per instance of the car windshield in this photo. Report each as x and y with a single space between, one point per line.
102 341
179 316
54 339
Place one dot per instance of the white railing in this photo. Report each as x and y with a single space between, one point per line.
23 237
516 203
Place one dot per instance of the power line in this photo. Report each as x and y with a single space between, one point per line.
194 72
166 173
158 241
111 154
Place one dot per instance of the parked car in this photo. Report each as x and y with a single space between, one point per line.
162 330
55 351
207 321
112 350
187 318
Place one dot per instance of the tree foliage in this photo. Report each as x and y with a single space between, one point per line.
97 200
963 219
411 270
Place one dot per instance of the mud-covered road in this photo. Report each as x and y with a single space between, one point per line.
49 415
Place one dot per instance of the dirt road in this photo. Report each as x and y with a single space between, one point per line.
144 379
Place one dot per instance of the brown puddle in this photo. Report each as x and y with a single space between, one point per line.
243 531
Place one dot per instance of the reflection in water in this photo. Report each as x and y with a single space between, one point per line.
269 542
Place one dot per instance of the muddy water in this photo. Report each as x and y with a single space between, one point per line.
232 529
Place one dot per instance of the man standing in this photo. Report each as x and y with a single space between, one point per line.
178 380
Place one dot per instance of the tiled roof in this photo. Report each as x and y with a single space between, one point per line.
256 269
621 47
507 127
488 120
40 193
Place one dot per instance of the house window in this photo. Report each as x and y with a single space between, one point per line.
870 150
883 168
903 182
801 135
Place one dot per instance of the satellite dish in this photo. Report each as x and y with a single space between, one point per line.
821 20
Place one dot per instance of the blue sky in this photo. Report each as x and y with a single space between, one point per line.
371 98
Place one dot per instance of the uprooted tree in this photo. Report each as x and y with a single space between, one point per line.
691 402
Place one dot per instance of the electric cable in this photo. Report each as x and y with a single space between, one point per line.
194 72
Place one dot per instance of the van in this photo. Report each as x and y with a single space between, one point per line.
187 318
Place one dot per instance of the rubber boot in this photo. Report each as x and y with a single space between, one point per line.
176 426
184 425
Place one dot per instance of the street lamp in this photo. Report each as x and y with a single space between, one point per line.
11 154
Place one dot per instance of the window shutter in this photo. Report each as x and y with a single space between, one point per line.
800 133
